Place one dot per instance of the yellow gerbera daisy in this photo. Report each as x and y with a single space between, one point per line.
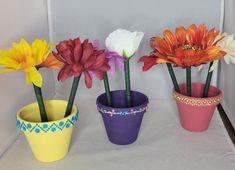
22 56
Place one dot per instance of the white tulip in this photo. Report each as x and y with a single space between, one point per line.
124 42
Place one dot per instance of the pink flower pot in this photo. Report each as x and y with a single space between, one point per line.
195 112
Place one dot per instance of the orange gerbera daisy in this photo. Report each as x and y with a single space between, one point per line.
187 47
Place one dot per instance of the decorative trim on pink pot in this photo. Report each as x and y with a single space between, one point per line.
195 112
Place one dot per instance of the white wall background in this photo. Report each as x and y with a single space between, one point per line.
26 19
96 19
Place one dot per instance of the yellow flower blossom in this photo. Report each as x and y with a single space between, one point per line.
29 58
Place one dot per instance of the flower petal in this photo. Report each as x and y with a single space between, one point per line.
149 62
191 34
180 34
161 45
5 70
8 59
64 48
138 37
90 62
88 80
77 50
200 34
51 62
68 56
59 57
33 76
23 48
100 60
87 51
65 72
40 50
170 38
77 69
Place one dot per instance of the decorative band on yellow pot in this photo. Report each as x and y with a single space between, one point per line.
49 141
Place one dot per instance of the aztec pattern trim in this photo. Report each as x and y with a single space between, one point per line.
197 101
47 127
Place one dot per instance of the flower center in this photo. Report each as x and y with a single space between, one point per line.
189 47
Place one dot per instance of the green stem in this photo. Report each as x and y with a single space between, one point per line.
41 106
208 81
188 80
127 81
107 90
173 78
72 96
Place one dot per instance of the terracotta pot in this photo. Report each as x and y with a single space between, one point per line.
195 112
122 124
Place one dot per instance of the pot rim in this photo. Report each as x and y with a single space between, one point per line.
198 101
122 108
19 117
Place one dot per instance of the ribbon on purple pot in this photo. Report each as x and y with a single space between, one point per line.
115 60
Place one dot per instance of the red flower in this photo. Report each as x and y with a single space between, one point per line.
81 58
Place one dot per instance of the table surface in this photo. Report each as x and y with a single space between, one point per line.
162 144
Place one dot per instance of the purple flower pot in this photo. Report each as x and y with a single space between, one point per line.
122 124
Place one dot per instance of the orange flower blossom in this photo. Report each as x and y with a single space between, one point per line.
187 47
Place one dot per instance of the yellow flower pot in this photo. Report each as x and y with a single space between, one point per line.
49 141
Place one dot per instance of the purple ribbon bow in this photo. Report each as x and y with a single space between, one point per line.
115 60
